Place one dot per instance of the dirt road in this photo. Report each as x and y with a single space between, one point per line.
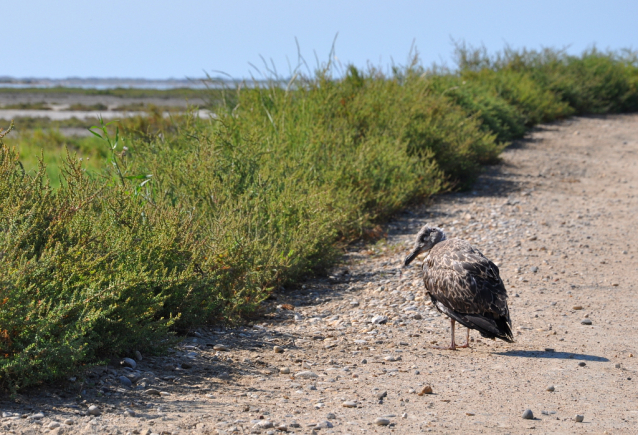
558 216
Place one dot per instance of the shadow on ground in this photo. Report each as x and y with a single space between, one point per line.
552 355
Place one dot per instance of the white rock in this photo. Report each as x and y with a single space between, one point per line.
349 404
94 410
306 374
379 320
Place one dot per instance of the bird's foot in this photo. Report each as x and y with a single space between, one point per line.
463 345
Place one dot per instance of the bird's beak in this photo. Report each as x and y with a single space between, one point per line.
412 256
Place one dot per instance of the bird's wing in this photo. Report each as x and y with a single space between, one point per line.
464 280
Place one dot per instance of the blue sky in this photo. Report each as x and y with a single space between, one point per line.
178 39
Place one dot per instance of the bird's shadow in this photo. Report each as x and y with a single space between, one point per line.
552 355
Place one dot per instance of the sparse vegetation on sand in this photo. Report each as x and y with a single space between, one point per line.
194 221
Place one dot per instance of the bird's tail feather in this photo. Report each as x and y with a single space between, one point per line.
488 328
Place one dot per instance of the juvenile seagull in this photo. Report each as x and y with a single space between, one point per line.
463 284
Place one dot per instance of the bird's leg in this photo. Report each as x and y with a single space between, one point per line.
467 339
453 344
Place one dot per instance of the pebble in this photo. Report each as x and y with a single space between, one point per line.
331 416
68 422
586 322
152 392
94 410
220 347
266 424
126 381
617 365
37 416
582 364
380 396
382 421
364 361
284 371
306 374
54 424
379 320
349 404
426 390
278 349
138 355
129 413
528 414
128 362
324 425
404 415
577 307
534 269
6 414
550 388
579 418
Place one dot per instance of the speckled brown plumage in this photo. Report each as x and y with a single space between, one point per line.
463 284
466 286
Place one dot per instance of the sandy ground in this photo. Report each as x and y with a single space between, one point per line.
558 216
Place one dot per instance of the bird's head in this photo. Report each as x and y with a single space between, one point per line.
425 240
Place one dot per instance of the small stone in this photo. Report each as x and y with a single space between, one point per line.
94 410
37 416
129 413
266 424
617 365
349 404
331 416
550 388
379 320
534 269
220 347
138 355
404 415
582 364
6 414
54 424
186 365
528 414
579 418
382 421
426 390
278 349
586 322
126 381
128 362
364 361
380 396
306 375
417 316
164 393
354 303
152 392
577 308
284 371
324 425
469 414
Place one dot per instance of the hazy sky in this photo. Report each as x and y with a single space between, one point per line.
162 39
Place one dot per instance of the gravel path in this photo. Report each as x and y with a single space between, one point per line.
558 216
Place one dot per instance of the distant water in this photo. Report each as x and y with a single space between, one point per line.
113 83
